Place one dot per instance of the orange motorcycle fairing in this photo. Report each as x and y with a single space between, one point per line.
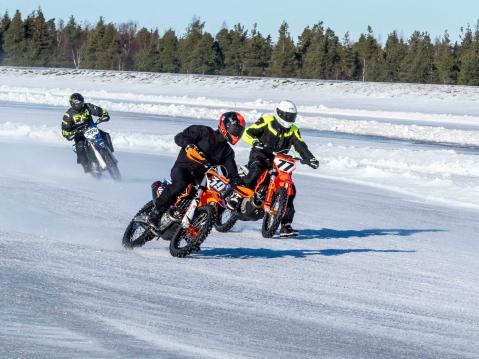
185 194
261 179
244 191
210 196
212 172
284 166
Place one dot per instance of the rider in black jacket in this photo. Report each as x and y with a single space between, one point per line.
274 133
200 144
79 114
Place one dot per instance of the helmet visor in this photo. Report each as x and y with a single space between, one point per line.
236 130
287 116
76 104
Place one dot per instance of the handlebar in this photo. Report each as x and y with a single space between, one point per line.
296 158
82 127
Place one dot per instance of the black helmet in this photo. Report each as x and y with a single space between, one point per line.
77 101
231 126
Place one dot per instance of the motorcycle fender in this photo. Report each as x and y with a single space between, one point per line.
210 197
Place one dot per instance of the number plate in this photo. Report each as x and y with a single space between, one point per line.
91 132
284 165
217 184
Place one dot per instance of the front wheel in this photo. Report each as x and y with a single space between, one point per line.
136 235
189 239
226 220
272 219
112 166
114 172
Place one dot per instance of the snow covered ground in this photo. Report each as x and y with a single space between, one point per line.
385 266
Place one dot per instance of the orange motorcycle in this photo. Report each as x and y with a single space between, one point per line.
186 224
269 199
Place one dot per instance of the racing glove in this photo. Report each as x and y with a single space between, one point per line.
313 163
194 154
258 145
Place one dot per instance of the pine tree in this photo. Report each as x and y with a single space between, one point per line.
312 48
258 51
367 49
41 41
101 49
70 40
445 60
109 52
187 47
88 51
321 53
14 41
349 62
222 40
418 65
304 43
232 47
389 61
469 58
204 55
147 55
4 24
284 59
168 56
333 55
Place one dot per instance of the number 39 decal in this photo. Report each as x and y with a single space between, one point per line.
216 184
284 165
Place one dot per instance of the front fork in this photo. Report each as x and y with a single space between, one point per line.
270 194
98 156
190 212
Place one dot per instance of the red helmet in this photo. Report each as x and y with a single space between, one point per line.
231 126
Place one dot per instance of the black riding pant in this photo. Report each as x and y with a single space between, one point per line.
80 149
181 177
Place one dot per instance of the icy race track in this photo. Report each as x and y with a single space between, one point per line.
385 265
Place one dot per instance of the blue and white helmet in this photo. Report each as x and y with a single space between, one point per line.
286 113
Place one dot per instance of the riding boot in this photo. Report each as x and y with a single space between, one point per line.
288 231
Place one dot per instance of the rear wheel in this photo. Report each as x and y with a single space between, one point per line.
189 239
225 220
137 234
272 219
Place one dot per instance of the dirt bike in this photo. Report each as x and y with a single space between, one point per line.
99 151
188 222
270 198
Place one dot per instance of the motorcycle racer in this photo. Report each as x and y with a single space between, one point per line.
200 143
275 133
79 114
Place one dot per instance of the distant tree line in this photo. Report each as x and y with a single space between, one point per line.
317 54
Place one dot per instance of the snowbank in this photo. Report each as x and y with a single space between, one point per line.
322 118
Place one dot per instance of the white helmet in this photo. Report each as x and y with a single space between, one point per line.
286 113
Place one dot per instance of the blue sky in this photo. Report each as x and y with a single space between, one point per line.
341 15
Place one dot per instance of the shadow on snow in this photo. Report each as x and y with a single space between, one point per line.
324 233
327 233
296 253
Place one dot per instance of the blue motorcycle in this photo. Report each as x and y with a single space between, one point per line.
99 150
